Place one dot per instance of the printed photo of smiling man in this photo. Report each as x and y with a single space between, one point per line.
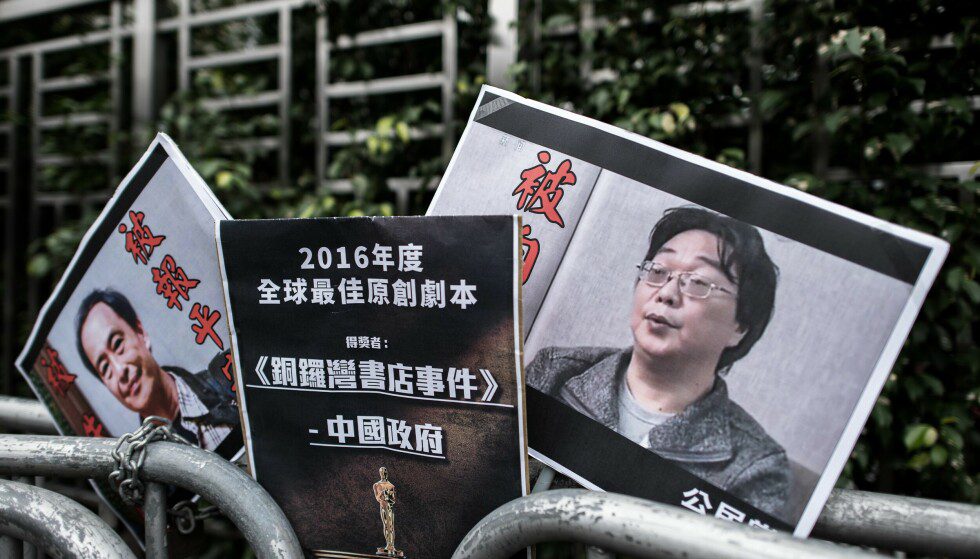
115 346
703 295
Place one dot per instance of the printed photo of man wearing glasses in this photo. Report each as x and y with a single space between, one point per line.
703 296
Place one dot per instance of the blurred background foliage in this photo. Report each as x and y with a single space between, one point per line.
854 103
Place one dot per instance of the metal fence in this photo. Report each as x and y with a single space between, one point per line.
137 72
610 523
131 81
751 12
204 473
444 82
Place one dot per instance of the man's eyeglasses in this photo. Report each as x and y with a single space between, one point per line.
691 284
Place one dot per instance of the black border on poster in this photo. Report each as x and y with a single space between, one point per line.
817 227
610 453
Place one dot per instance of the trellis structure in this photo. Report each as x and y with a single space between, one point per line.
134 40
586 22
444 82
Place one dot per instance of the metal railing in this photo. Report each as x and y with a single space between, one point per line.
910 524
280 52
608 521
55 524
631 526
204 473
26 416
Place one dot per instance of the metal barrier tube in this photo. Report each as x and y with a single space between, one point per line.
863 518
218 481
155 512
630 526
545 477
56 524
909 524
9 546
23 414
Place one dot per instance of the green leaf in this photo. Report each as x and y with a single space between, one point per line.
952 233
933 383
668 123
801 130
401 129
898 144
852 40
681 110
920 435
223 179
834 120
770 101
878 34
882 416
952 437
938 454
919 84
954 278
920 461
972 290
39 266
385 125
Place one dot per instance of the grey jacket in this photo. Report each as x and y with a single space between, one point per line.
713 438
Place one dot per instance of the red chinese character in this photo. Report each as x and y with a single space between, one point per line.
541 190
206 318
530 179
58 377
92 426
140 241
529 248
172 282
226 369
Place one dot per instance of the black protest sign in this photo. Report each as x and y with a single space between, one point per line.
379 375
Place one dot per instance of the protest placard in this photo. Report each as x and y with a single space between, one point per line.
136 327
696 335
380 375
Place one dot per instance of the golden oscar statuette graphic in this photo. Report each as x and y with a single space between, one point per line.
384 493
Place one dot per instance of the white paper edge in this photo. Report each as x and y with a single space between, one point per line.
239 380
518 358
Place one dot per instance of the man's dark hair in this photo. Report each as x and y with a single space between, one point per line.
119 305
744 262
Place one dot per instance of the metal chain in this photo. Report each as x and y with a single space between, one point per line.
187 517
130 454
